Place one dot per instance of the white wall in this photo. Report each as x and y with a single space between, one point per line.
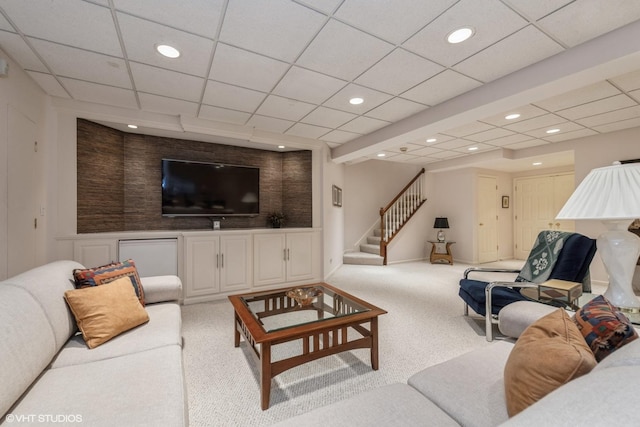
19 92
333 216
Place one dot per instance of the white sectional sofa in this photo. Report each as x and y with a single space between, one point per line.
48 375
469 390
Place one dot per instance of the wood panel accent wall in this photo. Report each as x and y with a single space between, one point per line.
123 171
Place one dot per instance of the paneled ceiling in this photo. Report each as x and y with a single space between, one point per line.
286 69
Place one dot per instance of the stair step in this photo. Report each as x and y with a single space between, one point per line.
374 240
372 249
362 258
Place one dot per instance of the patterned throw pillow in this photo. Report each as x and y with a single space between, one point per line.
604 328
108 273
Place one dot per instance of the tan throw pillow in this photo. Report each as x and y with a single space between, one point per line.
549 353
103 312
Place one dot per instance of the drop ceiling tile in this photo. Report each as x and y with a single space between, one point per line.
328 117
100 94
49 84
565 136
343 51
564 128
4 24
527 144
579 96
141 36
469 129
611 117
307 131
508 140
284 108
452 144
364 125
325 6
426 151
84 65
242 68
481 15
635 94
269 123
174 14
395 109
439 137
16 47
628 82
372 99
536 123
92 28
489 135
526 112
223 115
234 97
446 154
479 147
398 72
535 10
339 136
597 107
441 87
507 55
277 28
164 105
624 124
589 19
391 20
308 86
163 82
395 157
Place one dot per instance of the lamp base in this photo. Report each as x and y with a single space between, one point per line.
441 236
619 250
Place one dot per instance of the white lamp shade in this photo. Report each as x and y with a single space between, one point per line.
608 193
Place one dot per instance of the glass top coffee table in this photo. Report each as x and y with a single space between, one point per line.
328 321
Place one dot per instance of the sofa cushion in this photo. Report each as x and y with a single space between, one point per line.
140 389
108 273
515 318
161 288
103 312
164 328
479 402
394 404
549 353
604 328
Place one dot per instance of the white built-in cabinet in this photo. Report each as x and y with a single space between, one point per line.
216 264
283 257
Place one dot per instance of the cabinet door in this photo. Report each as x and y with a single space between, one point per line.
201 266
95 252
269 255
235 262
299 256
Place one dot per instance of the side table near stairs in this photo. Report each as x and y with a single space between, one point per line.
437 256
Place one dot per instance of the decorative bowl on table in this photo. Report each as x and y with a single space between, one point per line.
304 296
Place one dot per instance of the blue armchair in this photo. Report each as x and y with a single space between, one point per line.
555 255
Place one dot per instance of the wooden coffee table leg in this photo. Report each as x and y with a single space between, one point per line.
265 374
374 343
236 332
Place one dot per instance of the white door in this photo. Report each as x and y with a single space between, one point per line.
299 256
487 219
269 253
202 266
235 252
563 188
22 194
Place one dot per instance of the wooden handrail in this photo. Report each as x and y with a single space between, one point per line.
406 187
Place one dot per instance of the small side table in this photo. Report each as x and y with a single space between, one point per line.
440 257
562 290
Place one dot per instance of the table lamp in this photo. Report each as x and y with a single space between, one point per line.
441 223
612 195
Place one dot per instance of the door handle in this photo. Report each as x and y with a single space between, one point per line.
222 261
481 224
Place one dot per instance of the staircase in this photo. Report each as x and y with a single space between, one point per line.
392 218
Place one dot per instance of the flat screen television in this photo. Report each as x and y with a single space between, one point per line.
209 189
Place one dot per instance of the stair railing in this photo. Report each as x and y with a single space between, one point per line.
398 212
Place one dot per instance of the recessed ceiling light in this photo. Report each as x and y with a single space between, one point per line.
459 35
168 51
356 101
381 155
512 116
472 148
553 131
431 140
536 163
280 146
132 126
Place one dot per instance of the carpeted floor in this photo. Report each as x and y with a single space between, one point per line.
424 326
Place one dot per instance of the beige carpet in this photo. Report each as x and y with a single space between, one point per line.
424 326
